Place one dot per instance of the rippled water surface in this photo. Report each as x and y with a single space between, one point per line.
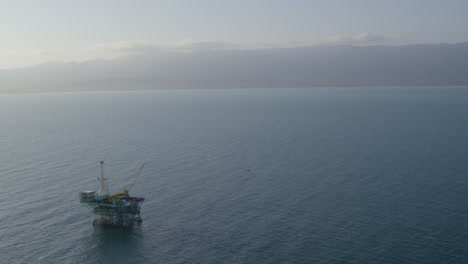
359 175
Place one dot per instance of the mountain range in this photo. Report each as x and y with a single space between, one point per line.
313 66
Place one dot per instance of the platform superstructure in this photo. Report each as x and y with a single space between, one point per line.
120 209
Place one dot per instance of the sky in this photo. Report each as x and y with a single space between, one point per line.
34 32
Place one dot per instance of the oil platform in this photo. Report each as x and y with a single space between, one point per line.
119 210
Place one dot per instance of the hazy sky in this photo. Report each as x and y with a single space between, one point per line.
44 30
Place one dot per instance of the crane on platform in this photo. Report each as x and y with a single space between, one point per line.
127 189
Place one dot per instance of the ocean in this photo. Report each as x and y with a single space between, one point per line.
318 175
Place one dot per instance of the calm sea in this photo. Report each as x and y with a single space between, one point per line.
335 175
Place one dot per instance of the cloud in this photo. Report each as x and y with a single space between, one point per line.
17 57
364 38
141 46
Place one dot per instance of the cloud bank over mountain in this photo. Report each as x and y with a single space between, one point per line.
142 46
21 57
212 64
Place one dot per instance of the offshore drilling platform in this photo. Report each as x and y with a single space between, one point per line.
119 210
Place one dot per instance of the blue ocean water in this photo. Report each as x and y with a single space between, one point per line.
332 175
